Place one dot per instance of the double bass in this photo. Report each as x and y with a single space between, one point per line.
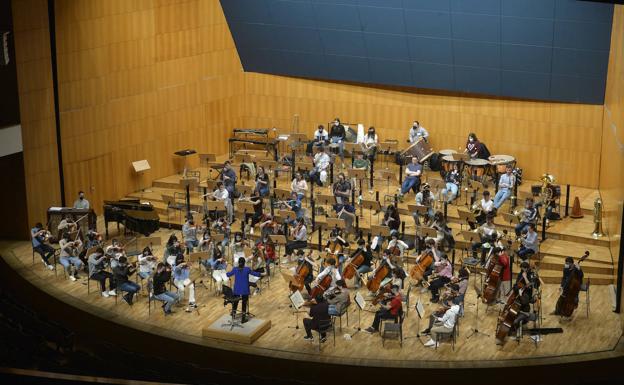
356 260
567 302
492 282
379 274
302 271
418 271
507 318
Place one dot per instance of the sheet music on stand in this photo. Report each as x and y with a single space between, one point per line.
296 299
360 301
420 309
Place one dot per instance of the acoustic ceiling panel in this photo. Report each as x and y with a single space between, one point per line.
537 49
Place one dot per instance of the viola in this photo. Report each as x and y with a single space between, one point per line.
418 271
567 303
378 275
356 260
383 293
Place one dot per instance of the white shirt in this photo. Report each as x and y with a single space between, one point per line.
321 160
221 195
487 206
449 317
66 249
146 265
302 234
324 135
299 186
368 140
334 274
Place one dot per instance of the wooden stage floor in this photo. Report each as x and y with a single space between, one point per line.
598 333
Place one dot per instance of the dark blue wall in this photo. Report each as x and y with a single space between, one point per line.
538 49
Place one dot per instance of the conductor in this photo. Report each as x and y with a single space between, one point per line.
241 285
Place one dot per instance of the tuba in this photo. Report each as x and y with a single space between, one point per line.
546 193
597 219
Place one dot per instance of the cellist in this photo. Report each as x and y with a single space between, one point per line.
336 245
366 266
330 269
304 259
570 270
396 247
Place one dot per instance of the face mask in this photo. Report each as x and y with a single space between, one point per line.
471 140
81 197
567 265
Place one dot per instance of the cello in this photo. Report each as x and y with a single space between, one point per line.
378 275
507 317
321 287
302 271
353 264
567 302
423 262
494 275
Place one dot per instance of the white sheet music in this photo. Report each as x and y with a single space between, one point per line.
420 309
296 299
360 301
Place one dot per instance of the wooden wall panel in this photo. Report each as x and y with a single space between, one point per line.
612 159
563 139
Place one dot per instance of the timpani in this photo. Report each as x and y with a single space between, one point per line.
500 162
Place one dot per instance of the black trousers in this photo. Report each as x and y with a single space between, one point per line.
245 300
294 245
381 314
46 251
308 325
101 277
436 285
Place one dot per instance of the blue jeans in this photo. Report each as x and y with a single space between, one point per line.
525 252
501 196
520 227
337 139
362 270
332 310
191 244
453 188
68 261
263 191
46 251
129 287
410 183
144 275
168 298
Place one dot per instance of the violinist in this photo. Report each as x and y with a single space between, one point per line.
299 238
331 270
424 198
299 186
172 249
365 267
388 310
67 225
238 246
189 231
267 248
442 325
122 272
570 270
39 237
391 219
335 246
97 272
338 298
206 242
487 237
69 256
147 263
268 225
161 278
262 183
258 266
483 209
443 273
218 265
182 280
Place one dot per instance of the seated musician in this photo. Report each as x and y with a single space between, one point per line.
416 132
336 243
258 265
238 247
370 144
442 325
570 270
444 235
162 276
299 238
320 316
98 262
189 232
182 280
257 214
331 270
424 198
443 274
66 225
321 162
342 191
392 219
217 263
81 202
299 186
69 256
338 298
294 204
529 243
40 246
223 226
172 249
266 247
308 279
320 138
529 215
337 136
486 206
389 309
365 267
473 146
360 162
527 278
223 195
462 285
122 272
147 263
262 183
525 297
506 184
487 236
431 246
394 244
413 172
228 177
453 180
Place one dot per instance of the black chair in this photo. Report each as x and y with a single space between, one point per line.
344 311
393 330
325 327
451 335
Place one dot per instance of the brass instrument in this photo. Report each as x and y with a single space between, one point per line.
546 192
597 219
476 209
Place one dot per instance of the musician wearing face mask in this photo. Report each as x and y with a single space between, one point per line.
570 270
228 177
424 198
413 172
389 309
318 174
122 272
182 280
391 219
98 262
147 263
299 239
81 202
299 186
189 231
529 243
331 270
161 278
39 238
69 256
527 278
488 235
223 195
365 267
484 208
443 271
337 136
335 245
262 183
338 298
321 138
473 146
453 180
529 216
370 144
506 184
417 131
441 324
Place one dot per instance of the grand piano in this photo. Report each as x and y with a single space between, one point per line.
135 216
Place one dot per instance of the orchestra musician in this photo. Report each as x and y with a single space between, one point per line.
299 235
258 265
319 311
443 273
228 178
217 263
505 281
365 267
161 278
223 195
570 270
241 285
238 247
321 162
484 208
294 204
299 185
444 235
487 236
529 215
338 298
392 219
335 245
81 202
442 325
413 172
506 184
453 180
189 232
342 192
529 243
268 249
527 277
121 274
147 263
431 246
172 249
268 225
309 278
424 198
69 256
389 309
182 280
525 299
66 225
331 270
473 146
396 244
320 138
262 183
39 238
97 263
370 144
416 132
338 136
361 163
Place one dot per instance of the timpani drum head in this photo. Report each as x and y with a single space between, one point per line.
447 152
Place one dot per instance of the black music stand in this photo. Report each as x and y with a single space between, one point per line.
230 298
184 154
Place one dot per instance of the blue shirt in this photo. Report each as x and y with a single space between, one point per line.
36 241
241 279
506 182
413 168
216 265
181 273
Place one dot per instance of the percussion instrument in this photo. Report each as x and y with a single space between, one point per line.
421 150
477 166
448 161
501 162
447 152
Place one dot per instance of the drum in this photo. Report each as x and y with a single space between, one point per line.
448 162
477 166
447 152
421 150
501 162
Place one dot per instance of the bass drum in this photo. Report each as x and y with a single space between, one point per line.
435 163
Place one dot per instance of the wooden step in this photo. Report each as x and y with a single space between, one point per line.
556 263
552 276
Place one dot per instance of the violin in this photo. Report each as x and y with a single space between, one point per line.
378 275
302 271
494 276
424 261
356 260
567 303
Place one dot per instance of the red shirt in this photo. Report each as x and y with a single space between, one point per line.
503 259
395 305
